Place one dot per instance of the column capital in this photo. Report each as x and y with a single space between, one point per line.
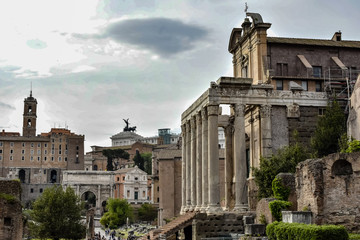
188 129
213 110
239 110
265 111
183 128
204 113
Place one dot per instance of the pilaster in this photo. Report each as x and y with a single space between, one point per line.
198 162
204 152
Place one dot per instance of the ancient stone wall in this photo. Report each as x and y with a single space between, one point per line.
11 222
330 188
305 124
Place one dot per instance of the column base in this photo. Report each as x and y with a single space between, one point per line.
241 208
198 208
214 209
203 208
191 208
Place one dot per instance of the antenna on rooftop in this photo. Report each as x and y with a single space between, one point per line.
31 89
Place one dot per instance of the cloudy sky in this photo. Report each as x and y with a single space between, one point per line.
93 63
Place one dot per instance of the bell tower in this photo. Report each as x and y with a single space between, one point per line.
29 117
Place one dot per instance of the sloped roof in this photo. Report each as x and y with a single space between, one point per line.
314 42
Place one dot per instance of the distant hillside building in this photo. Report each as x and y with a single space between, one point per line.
127 138
38 160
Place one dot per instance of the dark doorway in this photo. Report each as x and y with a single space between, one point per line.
89 198
53 176
22 175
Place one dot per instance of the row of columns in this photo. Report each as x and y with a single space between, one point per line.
200 169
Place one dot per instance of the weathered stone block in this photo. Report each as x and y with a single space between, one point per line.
255 229
262 208
297 217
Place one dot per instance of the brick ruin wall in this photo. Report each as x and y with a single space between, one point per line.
330 188
11 222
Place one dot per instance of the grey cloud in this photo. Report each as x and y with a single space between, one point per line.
5 105
163 36
10 68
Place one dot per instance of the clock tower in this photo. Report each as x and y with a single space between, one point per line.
29 117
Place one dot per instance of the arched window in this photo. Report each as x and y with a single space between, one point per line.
29 122
341 168
95 167
29 109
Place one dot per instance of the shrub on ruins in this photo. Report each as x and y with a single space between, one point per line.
112 154
285 160
348 145
330 127
285 231
147 212
57 214
118 211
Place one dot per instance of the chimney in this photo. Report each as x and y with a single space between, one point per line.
337 36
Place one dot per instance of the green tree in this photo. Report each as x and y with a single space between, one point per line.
147 162
112 154
118 210
329 130
147 212
139 160
57 214
285 160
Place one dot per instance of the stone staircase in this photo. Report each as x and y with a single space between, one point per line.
172 227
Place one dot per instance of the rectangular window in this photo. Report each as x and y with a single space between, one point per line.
317 71
60 139
244 72
41 190
23 151
52 146
11 144
32 151
322 111
52 158
39 145
38 158
39 152
11 151
52 152
45 152
32 145
23 158
23 144
31 190
0 151
0 157
65 159
59 159
282 69
45 145
11 158
318 87
279 85
53 140
1 144
304 85
45 158
128 193
31 158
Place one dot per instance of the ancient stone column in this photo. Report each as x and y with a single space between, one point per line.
198 162
265 116
240 158
188 166
204 158
213 148
229 168
193 163
183 170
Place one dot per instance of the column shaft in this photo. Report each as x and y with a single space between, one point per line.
229 168
240 158
204 152
198 162
193 162
183 170
213 144
266 141
188 166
